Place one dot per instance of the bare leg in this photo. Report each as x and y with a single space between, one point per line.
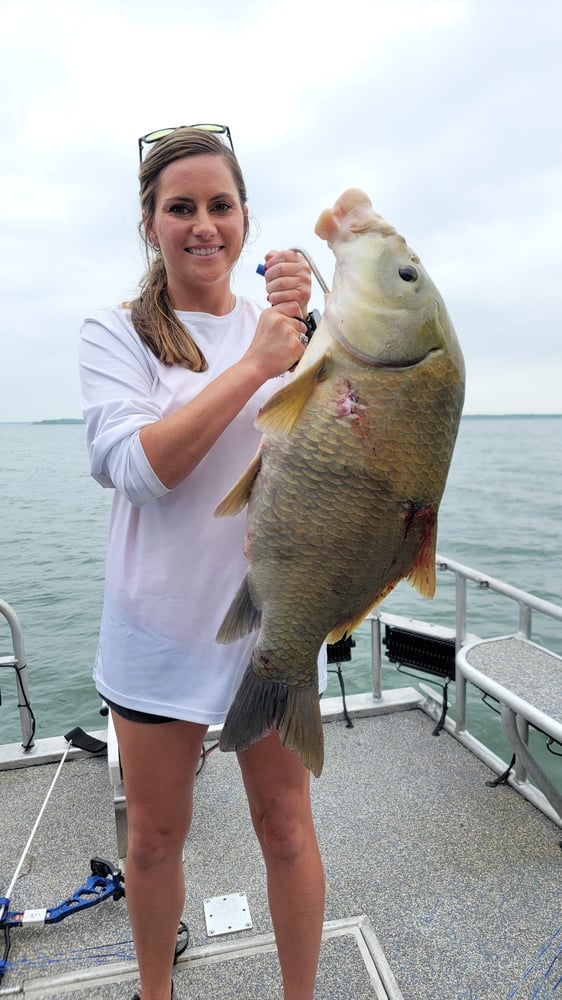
159 764
278 790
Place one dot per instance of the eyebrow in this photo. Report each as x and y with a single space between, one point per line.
214 197
183 197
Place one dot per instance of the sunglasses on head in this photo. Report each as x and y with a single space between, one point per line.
150 137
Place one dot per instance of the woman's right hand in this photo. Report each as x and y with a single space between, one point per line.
277 344
175 444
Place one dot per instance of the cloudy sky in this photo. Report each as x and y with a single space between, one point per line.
446 112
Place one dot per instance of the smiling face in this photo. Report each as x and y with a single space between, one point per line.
200 225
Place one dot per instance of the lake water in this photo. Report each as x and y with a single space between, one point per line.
501 514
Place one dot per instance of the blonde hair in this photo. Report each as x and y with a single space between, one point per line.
152 314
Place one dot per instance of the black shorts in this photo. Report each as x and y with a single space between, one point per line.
133 716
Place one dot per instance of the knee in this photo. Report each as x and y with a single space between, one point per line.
150 846
284 833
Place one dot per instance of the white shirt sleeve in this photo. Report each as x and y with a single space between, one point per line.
116 377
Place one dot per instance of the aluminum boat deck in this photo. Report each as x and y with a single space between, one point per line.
441 883
438 886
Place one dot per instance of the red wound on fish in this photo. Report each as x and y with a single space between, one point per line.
346 407
415 513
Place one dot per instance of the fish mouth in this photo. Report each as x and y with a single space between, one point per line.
393 363
410 363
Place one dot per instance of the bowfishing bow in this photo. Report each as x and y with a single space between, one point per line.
104 881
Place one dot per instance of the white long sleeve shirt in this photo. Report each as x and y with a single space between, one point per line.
172 568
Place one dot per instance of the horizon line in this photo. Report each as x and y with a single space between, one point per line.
469 416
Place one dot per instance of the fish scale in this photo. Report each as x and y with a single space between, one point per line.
344 493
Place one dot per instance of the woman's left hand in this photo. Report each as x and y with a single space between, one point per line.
287 279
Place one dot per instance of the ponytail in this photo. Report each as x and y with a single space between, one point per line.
157 325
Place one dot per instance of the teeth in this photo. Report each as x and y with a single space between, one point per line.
203 251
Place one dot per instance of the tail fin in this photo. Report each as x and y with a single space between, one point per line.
261 706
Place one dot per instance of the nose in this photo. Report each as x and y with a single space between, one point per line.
203 224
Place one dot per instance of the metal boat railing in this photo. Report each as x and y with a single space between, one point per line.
517 712
527 602
18 663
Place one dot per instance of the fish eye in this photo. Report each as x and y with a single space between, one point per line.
408 273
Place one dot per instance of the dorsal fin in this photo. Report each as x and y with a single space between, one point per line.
422 574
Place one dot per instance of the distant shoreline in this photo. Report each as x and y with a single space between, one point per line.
511 416
62 420
72 421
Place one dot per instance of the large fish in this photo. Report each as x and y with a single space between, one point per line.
344 492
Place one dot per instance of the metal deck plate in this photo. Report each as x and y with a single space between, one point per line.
227 914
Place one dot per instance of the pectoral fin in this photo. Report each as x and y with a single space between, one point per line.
282 411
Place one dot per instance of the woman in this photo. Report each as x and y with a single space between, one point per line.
171 384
